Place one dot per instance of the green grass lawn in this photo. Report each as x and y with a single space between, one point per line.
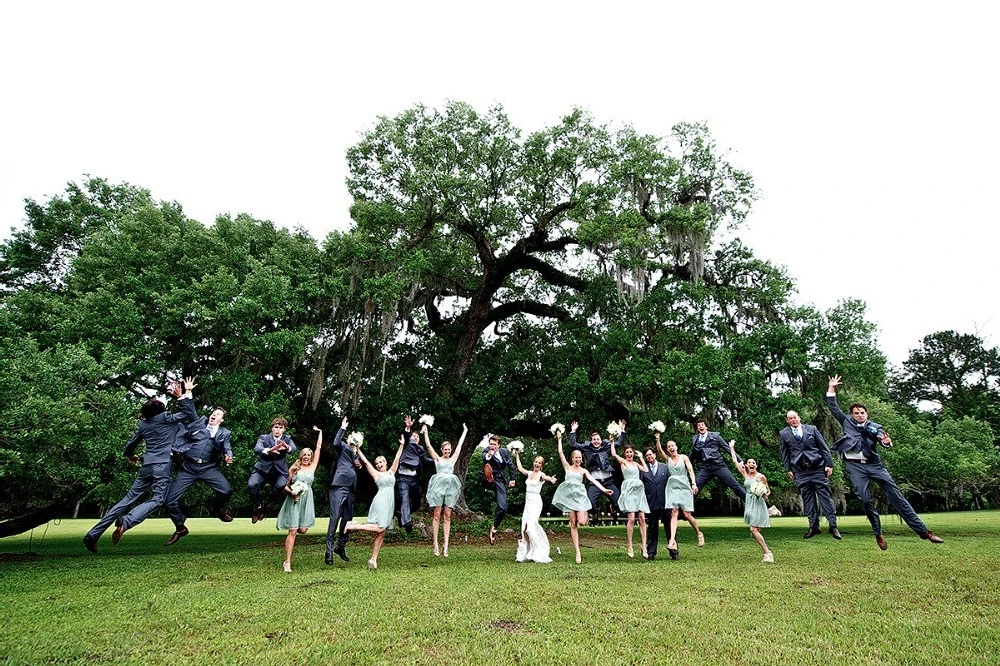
220 596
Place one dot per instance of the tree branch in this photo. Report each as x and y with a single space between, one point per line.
512 308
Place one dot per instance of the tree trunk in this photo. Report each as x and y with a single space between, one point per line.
29 521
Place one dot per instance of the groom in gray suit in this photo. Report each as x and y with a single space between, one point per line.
205 442
343 485
808 462
159 429
655 485
858 446
271 450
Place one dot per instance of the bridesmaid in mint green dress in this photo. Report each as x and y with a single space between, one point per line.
681 488
444 487
571 496
298 512
755 512
383 504
633 496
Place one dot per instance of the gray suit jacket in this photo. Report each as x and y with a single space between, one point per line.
811 453
272 462
714 450
858 437
160 434
656 486
343 473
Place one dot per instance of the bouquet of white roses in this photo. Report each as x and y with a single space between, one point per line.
557 429
428 419
515 445
757 488
614 429
657 426
356 439
298 488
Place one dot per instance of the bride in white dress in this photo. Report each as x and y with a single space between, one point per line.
533 546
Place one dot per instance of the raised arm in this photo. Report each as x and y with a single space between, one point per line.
736 458
319 445
371 468
641 463
427 443
831 400
572 435
663 454
617 457
461 441
395 461
562 456
520 467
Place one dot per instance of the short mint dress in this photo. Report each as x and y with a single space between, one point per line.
755 511
384 502
570 495
633 496
302 514
444 487
679 492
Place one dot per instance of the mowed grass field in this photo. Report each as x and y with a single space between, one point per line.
219 596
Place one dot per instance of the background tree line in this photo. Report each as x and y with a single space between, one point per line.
493 277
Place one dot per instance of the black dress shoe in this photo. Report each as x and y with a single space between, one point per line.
933 538
408 527
328 559
810 533
258 515
117 536
91 544
880 540
176 536
341 554
674 554
835 533
224 516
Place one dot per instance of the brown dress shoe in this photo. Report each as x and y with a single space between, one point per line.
933 538
117 536
880 540
810 533
176 536
835 533
91 544
224 516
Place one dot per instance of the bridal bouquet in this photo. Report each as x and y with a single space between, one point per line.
614 429
298 488
657 426
759 489
515 445
557 429
428 419
356 439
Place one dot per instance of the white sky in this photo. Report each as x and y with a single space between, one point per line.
871 128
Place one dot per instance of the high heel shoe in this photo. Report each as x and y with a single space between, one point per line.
446 552
437 553
631 554
372 564
287 566
701 539
645 553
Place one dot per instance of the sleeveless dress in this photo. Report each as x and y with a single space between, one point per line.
444 486
384 502
301 514
755 513
633 496
679 493
570 495
536 547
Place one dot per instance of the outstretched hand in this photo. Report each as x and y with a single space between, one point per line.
835 381
175 389
189 384
573 426
408 420
316 428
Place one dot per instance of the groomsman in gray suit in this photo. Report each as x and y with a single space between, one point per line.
271 450
343 486
858 446
808 462
655 484
408 475
708 451
205 442
159 429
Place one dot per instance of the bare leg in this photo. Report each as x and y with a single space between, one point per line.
436 524
672 544
694 523
755 531
289 545
642 535
630 531
574 532
447 529
379 538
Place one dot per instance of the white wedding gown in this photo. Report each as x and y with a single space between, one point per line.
536 547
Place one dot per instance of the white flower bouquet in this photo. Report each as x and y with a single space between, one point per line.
614 429
557 429
428 419
515 445
298 488
657 426
759 489
356 439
